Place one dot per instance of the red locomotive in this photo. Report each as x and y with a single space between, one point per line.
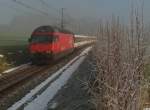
49 42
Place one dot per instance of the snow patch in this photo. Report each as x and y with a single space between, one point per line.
53 106
41 101
10 70
83 36
78 44
15 68
1 56
146 109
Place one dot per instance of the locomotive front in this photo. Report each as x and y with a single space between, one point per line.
40 44
48 44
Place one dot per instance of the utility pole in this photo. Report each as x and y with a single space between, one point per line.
62 18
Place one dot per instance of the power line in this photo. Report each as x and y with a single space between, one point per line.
16 10
62 21
32 8
48 6
27 6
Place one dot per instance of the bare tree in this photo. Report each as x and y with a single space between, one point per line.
119 65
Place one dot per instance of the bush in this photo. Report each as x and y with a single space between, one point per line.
119 65
3 64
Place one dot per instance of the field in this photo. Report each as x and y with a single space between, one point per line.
14 55
14 48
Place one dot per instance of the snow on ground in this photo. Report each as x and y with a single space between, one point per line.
1 56
146 108
41 101
15 68
10 70
78 44
83 36
54 105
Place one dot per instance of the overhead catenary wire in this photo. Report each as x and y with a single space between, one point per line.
49 15
30 7
16 9
63 17
48 6
34 9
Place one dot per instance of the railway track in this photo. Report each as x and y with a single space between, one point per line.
21 74
9 80
15 84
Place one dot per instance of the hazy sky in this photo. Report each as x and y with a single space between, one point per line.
89 9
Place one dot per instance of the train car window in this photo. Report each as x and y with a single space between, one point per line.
41 39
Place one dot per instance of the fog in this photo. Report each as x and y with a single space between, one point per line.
19 17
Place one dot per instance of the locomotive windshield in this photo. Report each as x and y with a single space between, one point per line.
41 39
